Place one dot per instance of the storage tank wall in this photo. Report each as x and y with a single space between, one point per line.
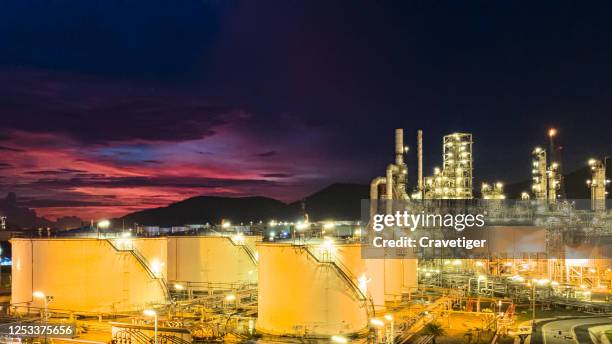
410 267
298 295
371 271
155 251
209 259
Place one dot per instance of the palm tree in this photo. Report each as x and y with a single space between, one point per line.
434 329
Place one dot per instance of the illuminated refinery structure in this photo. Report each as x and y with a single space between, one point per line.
546 179
493 191
310 279
598 183
394 181
554 182
539 175
454 180
458 165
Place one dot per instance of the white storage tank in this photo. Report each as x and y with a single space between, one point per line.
215 259
87 275
388 276
303 295
400 277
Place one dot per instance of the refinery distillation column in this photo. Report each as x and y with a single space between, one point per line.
457 168
598 184
554 182
539 174
455 179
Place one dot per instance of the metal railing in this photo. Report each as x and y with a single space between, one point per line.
21 308
121 245
245 248
345 274
131 336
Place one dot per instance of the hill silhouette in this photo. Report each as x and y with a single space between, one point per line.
340 201
212 209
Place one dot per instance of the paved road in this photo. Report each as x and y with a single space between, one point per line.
570 331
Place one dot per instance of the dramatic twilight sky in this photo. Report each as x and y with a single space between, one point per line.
112 106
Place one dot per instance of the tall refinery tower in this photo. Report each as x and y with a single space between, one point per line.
539 175
597 183
455 179
458 165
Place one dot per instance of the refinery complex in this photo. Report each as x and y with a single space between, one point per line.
321 280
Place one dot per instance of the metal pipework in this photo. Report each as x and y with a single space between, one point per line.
374 194
389 185
394 179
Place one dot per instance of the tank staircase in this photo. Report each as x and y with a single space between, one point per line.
121 246
345 274
249 252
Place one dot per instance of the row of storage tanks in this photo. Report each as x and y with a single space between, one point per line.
298 291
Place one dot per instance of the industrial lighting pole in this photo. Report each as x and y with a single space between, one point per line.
379 326
46 299
152 313
533 312
551 134
102 224
390 335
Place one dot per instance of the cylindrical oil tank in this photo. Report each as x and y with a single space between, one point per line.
400 277
216 259
386 278
301 295
369 273
84 275
410 266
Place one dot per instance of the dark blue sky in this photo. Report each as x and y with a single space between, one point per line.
283 97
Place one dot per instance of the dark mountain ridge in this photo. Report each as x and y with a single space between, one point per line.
339 201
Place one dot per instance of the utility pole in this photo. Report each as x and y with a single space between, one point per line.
533 310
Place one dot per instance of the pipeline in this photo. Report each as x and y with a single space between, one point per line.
394 179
